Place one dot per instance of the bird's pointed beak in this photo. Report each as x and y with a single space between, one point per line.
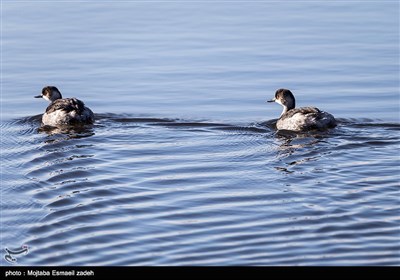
272 100
38 96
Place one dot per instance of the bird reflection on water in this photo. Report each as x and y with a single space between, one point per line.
291 146
68 132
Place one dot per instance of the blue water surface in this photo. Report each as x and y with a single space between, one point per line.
183 165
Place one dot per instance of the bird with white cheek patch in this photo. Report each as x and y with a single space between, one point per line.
64 111
300 119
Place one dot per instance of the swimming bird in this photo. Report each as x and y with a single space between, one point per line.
64 111
300 119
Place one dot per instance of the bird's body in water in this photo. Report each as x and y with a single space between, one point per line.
300 119
64 111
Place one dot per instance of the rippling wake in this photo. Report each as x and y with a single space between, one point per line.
149 191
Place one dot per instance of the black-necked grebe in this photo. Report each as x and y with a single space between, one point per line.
64 111
300 119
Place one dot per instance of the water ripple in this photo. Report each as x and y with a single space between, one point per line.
148 191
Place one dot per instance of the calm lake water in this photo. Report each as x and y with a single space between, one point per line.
183 165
